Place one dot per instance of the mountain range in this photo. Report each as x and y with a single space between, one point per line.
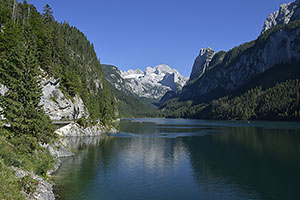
137 90
220 80
154 82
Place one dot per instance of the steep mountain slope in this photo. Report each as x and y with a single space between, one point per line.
72 79
114 76
153 83
129 104
247 66
247 61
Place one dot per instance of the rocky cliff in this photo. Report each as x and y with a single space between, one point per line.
226 71
202 62
280 45
59 106
114 76
286 13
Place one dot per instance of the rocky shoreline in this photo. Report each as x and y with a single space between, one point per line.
44 189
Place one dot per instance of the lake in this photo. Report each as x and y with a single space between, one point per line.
180 159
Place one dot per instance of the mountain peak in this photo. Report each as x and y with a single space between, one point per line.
154 82
286 13
202 62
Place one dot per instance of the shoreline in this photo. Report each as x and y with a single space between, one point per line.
60 149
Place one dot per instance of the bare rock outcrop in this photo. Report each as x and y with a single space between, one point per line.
286 13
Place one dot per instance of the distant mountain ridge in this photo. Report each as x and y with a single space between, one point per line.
129 103
154 82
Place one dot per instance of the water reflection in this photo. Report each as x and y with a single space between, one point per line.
76 173
264 163
194 160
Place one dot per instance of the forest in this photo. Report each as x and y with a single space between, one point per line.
274 95
271 95
33 45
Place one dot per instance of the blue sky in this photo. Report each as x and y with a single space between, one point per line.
134 34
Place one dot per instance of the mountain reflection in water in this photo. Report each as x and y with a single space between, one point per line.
185 159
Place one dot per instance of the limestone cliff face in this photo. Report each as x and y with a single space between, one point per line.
57 105
286 13
202 62
281 47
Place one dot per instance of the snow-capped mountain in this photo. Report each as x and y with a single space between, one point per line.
154 82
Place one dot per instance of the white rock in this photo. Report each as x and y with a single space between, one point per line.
3 89
153 82
73 129
284 15
44 189
57 105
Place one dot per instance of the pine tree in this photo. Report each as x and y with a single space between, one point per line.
20 74
11 75
39 125
48 14
47 39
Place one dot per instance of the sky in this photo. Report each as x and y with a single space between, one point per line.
134 34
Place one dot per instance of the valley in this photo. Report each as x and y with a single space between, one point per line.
122 129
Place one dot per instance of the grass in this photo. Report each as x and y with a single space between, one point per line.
39 161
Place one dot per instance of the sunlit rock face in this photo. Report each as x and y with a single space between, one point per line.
281 47
202 62
57 105
285 14
154 82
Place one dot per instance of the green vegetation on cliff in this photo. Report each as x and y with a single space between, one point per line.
274 95
64 53
33 45
271 95
129 104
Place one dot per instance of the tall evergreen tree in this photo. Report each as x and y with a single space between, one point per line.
46 49
20 74
48 14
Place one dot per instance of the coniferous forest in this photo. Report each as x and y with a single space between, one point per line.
274 95
32 46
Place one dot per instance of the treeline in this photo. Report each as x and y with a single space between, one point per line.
132 106
281 102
